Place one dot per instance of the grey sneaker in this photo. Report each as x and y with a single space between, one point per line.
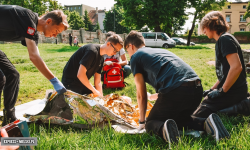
170 132
215 127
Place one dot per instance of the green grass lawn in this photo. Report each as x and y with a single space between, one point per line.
33 86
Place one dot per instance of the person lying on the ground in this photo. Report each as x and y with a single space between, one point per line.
120 56
21 24
231 86
179 87
86 62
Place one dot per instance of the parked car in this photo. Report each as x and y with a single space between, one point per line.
158 39
181 41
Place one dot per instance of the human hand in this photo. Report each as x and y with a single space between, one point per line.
108 63
96 92
4 134
58 86
152 97
215 93
206 92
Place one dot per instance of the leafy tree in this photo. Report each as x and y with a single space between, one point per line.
88 24
74 19
97 27
38 6
201 8
54 5
247 14
156 14
115 15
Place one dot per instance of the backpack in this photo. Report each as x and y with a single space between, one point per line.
113 75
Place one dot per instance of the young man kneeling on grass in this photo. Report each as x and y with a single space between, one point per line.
86 62
230 90
179 87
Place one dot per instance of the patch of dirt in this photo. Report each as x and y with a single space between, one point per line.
211 63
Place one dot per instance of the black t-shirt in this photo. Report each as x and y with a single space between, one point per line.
18 23
88 56
162 69
228 44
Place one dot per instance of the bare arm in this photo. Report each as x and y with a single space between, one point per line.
37 60
215 85
234 71
98 83
82 76
141 95
124 60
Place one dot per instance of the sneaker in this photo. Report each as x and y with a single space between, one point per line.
170 132
215 127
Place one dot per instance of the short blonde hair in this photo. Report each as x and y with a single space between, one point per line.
215 21
57 17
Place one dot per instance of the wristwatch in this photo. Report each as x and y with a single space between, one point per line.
221 90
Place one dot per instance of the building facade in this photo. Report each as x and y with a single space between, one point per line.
234 13
79 8
97 16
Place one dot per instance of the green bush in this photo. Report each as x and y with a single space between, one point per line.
247 34
201 37
192 47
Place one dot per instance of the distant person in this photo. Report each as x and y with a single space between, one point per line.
70 39
231 87
121 57
21 24
179 87
75 41
86 62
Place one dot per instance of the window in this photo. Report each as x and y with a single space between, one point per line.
244 6
70 8
242 29
242 18
79 8
149 35
103 16
228 18
159 36
75 8
229 7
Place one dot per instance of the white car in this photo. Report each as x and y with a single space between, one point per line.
158 39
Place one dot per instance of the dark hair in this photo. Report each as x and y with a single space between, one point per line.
109 34
57 17
115 39
135 38
215 21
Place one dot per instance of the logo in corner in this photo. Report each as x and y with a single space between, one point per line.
31 31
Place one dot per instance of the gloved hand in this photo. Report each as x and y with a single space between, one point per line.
109 63
206 92
215 93
58 86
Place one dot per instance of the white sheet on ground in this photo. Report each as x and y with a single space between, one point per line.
32 108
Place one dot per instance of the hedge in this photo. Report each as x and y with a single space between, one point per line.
247 34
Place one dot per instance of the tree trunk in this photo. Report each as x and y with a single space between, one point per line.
157 27
192 29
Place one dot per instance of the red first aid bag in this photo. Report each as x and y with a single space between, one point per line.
113 75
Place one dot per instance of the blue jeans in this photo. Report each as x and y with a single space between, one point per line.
127 70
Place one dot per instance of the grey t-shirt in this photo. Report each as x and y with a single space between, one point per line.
162 69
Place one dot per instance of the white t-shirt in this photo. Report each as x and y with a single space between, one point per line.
116 56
